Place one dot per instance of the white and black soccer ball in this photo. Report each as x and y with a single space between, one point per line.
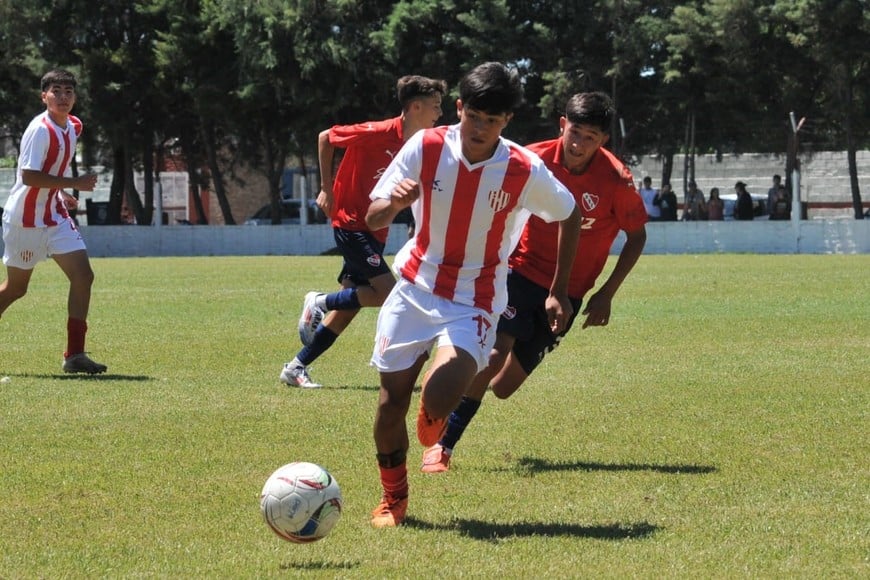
301 502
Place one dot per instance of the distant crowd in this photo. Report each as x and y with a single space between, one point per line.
662 204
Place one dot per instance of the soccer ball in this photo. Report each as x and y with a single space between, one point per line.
301 502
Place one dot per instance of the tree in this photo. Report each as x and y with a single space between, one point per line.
835 34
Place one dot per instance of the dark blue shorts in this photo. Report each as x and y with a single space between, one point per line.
363 256
525 318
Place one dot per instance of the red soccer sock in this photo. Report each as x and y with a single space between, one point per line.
76 330
395 481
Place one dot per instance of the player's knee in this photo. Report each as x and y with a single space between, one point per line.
504 391
12 292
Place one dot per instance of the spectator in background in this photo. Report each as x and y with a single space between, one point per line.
715 206
772 193
666 200
648 194
695 207
743 210
780 207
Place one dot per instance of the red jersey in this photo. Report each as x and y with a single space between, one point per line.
609 202
369 148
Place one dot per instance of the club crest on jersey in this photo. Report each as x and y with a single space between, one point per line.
589 201
509 313
374 260
498 200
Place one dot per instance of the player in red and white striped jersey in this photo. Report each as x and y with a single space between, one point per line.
471 192
604 189
36 220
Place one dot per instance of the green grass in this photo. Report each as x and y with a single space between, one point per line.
717 428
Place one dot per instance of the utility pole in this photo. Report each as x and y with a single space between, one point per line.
793 170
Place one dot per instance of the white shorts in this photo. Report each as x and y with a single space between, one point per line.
413 321
26 247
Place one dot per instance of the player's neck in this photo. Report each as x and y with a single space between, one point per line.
409 127
58 118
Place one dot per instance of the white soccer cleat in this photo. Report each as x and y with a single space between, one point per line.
311 318
296 374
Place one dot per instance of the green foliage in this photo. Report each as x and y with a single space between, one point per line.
716 428
257 81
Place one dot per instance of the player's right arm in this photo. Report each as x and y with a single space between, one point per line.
43 180
326 157
383 211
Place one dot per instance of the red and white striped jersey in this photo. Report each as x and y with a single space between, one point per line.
469 216
48 148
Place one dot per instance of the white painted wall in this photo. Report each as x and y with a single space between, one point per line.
834 236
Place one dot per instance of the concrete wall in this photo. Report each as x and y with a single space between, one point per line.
824 176
833 236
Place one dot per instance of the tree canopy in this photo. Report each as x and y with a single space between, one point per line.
230 81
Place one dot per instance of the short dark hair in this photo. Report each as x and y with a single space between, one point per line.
411 87
57 77
491 87
595 108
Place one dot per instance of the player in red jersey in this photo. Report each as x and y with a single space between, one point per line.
471 192
36 220
365 277
605 191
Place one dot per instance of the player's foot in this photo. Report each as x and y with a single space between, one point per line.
310 319
81 363
436 459
429 430
390 512
296 374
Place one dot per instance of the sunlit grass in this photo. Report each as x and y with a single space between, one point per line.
716 428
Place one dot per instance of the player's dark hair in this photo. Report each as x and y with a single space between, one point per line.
492 88
411 87
594 109
57 77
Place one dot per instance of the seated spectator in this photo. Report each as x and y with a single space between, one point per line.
666 201
715 206
648 194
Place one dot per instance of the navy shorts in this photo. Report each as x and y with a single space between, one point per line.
525 318
363 256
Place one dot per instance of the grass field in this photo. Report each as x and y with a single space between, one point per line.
717 428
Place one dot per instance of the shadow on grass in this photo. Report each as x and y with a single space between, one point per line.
87 377
535 465
494 531
313 565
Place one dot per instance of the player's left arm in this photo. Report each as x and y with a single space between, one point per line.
558 305
597 310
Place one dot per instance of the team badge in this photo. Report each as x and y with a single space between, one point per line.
509 313
374 260
589 201
498 200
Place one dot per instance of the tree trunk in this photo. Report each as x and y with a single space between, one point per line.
131 195
194 180
217 179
